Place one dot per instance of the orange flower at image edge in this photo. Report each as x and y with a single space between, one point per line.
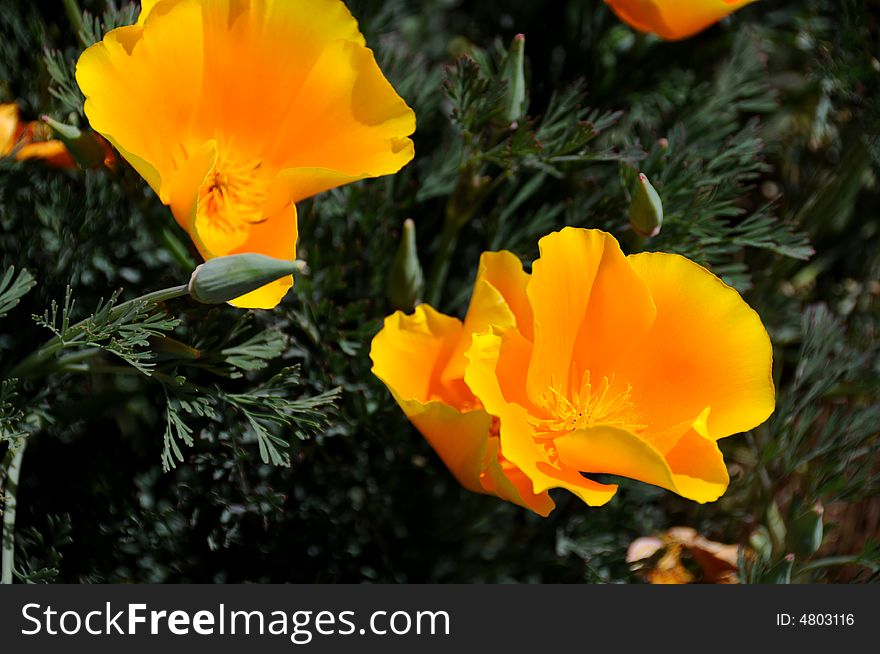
30 140
673 19
595 363
664 559
233 110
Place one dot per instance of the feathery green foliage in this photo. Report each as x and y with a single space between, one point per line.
179 442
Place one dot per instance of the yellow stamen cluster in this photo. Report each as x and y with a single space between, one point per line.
234 194
585 405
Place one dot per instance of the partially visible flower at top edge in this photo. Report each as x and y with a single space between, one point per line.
233 110
30 140
594 363
673 19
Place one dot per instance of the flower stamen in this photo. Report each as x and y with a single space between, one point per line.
234 194
586 405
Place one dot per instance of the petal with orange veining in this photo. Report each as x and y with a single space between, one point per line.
518 445
609 450
706 348
498 300
411 351
589 307
142 85
345 124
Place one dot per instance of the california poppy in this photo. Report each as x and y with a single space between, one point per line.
595 363
233 110
673 19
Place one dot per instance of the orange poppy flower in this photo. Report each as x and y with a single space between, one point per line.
232 110
673 19
595 363
30 140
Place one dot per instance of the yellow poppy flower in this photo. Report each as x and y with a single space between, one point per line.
595 363
232 110
673 19
30 140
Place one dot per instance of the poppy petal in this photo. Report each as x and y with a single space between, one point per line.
126 78
577 268
674 19
498 300
706 348
518 444
609 450
274 237
346 124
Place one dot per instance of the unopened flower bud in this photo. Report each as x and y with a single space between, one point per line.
225 278
645 209
513 73
86 148
406 281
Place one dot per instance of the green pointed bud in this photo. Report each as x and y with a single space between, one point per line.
761 542
776 527
514 74
805 530
84 147
779 573
645 209
406 281
167 348
225 278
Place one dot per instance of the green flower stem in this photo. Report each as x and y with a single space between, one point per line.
78 357
471 191
12 470
176 248
74 15
440 265
39 356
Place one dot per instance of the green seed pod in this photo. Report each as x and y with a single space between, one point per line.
406 281
225 278
646 209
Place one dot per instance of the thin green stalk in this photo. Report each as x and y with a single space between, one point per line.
440 265
471 191
74 15
12 469
53 345
176 248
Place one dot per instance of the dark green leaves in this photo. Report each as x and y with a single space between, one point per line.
13 287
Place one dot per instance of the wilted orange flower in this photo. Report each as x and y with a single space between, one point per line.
30 140
232 110
674 19
664 560
595 363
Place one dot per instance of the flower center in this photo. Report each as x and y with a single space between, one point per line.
588 403
234 194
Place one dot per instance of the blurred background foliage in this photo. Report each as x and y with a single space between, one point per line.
762 137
